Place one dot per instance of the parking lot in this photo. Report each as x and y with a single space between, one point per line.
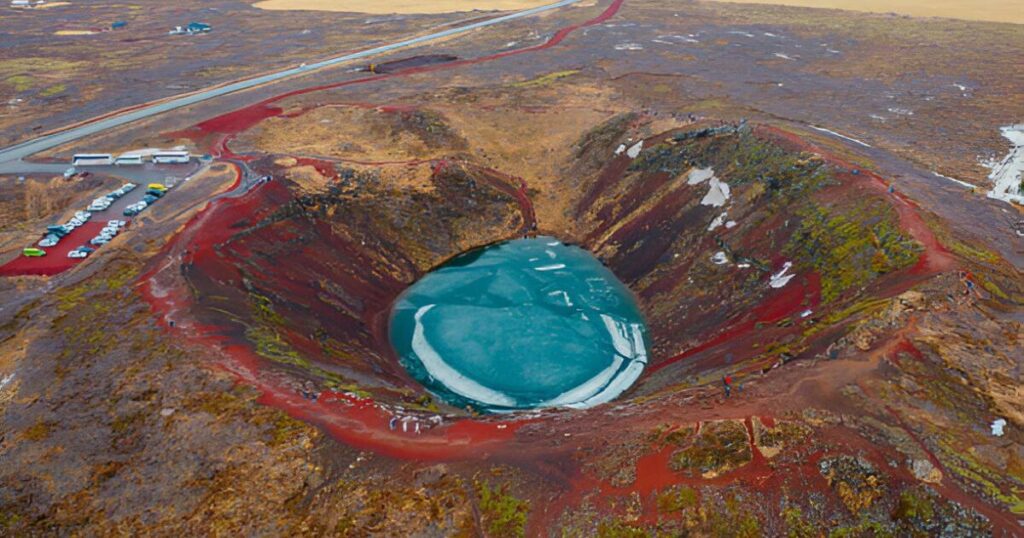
56 259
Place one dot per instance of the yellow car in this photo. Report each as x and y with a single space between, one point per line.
156 186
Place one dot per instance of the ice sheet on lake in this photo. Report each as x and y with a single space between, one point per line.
452 379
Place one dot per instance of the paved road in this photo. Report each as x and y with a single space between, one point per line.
10 156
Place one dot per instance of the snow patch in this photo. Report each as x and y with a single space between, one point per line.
954 180
844 137
720 258
6 380
781 278
730 225
997 427
699 175
629 46
620 149
784 56
719 220
1006 174
634 150
717 194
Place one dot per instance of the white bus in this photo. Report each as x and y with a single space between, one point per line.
92 159
128 159
171 157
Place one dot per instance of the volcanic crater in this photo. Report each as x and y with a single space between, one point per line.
745 247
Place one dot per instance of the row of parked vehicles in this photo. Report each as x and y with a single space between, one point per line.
154 191
103 202
55 233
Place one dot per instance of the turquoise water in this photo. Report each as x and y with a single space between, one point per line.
524 324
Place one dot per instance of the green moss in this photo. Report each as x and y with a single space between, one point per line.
545 80
21 83
676 499
619 529
56 89
797 525
862 529
733 521
851 248
980 254
914 505
721 446
503 514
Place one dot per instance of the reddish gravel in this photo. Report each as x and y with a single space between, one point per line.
56 259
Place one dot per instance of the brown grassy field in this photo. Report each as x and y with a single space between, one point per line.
399 6
996 10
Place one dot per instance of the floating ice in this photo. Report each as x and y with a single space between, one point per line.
781 278
552 267
997 427
634 150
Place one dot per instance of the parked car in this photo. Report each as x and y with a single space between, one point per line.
84 215
149 199
33 252
155 192
76 222
77 253
118 223
128 187
49 241
157 187
99 240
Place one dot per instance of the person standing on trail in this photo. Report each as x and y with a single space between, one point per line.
727 381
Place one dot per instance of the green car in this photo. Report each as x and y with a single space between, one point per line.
33 252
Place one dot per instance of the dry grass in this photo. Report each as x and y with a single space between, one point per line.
399 6
993 10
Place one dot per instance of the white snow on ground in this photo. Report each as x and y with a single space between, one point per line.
717 194
661 41
730 225
620 149
1006 174
954 180
781 278
744 34
806 313
552 267
719 220
901 111
844 137
7 379
634 150
720 258
784 56
629 46
699 175
997 427
452 379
